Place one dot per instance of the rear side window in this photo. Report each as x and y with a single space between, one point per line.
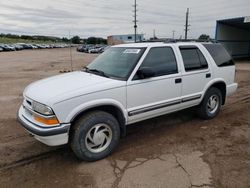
219 54
161 60
193 58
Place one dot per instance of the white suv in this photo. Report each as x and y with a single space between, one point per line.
127 83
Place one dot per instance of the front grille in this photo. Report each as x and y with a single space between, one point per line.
28 102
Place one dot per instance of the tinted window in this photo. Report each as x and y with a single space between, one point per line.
161 60
117 62
202 59
193 58
219 54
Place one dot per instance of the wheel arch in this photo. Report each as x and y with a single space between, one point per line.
221 85
111 108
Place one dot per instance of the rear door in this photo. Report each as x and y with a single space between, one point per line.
159 94
196 74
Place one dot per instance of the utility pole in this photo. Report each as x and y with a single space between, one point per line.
135 19
173 33
154 36
186 25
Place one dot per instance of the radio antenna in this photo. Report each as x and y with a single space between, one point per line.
70 52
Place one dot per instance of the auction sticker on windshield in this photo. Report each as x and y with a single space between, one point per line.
132 51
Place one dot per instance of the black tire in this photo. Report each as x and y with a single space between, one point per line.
84 125
203 109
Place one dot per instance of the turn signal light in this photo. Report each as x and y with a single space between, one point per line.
51 121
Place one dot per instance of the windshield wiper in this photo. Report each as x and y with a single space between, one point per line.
99 72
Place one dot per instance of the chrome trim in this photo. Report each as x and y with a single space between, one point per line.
186 99
154 107
38 114
163 105
28 103
154 79
41 131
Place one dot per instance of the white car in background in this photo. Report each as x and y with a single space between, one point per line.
128 83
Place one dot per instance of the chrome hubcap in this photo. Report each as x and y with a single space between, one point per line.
213 104
98 138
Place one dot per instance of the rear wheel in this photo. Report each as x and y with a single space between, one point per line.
211 104
95 136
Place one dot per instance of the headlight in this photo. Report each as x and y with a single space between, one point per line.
42 109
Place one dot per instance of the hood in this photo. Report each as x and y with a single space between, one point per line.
58 88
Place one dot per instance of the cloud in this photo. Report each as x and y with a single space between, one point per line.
106 17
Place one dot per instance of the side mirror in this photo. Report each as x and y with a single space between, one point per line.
145 72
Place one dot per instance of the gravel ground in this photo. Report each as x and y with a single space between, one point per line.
176 150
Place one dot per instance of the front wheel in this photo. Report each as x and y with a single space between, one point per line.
95 136
211 104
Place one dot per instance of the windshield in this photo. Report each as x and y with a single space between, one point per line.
116 62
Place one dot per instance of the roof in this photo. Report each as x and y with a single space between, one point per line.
241 22
154 44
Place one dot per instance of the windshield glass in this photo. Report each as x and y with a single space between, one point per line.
117 62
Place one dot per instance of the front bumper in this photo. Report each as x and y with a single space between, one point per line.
52 136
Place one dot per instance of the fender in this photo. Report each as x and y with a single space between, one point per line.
209 84
93 104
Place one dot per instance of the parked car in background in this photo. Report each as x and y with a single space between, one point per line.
11 47
39 46
17 47
92 48
104 48
84 48
80 48
24 46
7 47
2 47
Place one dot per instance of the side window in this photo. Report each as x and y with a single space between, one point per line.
193 58
219 54
161 60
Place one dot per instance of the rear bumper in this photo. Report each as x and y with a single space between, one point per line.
231 88
50 136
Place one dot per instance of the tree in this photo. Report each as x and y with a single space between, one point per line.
204 37
91 40
26 37
75 40
96 40
64 39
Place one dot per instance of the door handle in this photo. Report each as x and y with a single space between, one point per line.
208 75
178 80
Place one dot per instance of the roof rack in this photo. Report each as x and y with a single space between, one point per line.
178 40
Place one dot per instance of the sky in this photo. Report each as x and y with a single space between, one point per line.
102 18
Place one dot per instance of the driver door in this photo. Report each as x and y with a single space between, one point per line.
158 94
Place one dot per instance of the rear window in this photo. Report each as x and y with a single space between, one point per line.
219 54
